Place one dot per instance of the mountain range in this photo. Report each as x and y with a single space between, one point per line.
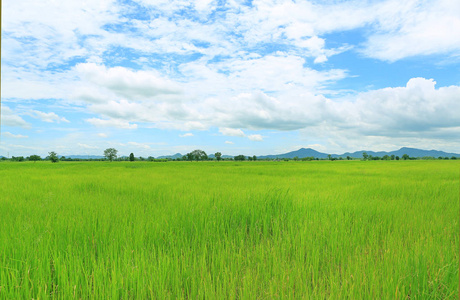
308 152
412 152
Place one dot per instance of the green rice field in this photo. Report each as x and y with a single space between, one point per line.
230 230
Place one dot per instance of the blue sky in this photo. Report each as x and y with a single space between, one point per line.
240 77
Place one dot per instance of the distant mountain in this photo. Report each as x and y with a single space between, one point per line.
303 152
421 153
177 155
412 152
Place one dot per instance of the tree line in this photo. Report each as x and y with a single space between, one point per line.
111 154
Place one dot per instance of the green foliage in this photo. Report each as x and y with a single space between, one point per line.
240 157
308 158
230 230
197 155
34 158
218 156
52 156
110 153
365 156
131 157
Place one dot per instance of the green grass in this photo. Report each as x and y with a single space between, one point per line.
248 230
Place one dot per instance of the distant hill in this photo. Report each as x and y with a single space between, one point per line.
303 152
412 152
177 155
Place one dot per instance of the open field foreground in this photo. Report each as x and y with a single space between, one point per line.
227 230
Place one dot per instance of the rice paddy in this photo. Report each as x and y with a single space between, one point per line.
228 230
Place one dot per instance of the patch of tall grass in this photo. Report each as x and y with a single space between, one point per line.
244 230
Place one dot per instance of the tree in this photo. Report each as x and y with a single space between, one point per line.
110 153
329 157
240 157
296 158
197 155
218 156
365 156
190 156
34 158
348 157
131 157
405 157
53 157
254 158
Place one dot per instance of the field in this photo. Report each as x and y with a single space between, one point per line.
227 230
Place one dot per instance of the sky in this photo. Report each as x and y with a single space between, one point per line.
157 77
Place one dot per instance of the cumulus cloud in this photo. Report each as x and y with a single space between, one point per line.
16 136
102 135
393 117
139 145
11 118
255 137
232 132
240 133
50 117
188 134
417 107
111 123
432 26
87 146
127 83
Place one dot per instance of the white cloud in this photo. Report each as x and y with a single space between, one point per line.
127 83
139 145
417 107
50 117
416 114
229 142
432 26
16 136
87 146
189 134
102 135
10 118
240 133
232 132
111 123
255 137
